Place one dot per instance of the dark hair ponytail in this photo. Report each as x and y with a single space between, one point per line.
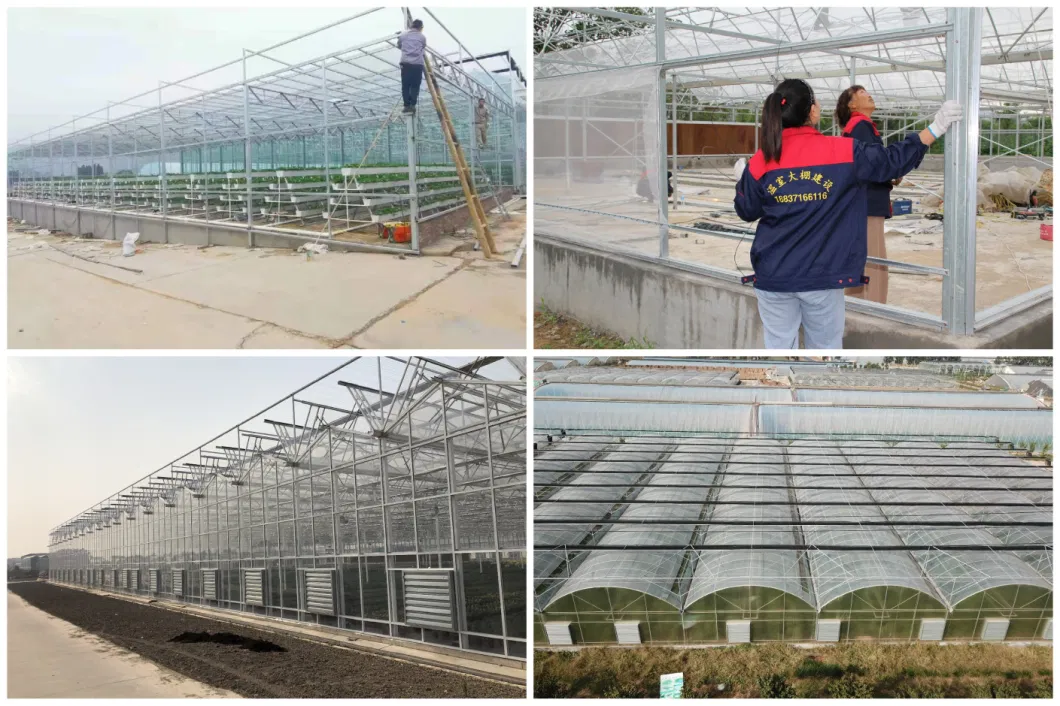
787 106
842 106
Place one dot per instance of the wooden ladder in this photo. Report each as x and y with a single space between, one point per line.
467 180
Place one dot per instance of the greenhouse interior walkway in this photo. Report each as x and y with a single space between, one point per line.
50 658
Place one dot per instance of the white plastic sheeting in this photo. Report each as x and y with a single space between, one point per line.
642 457
550 465
1017 382
997 472
729 568
838 572
1016 425
893 398
668 393
957 574
877 378
651 573
638 376
598 134
676 417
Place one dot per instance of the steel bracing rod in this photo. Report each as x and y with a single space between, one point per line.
597 522
452 36
216 68
829 43
692 27
237 426
913 466
267 81
1044 489
771 503
744 235
794 547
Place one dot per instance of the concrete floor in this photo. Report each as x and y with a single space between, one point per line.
50 658
233 297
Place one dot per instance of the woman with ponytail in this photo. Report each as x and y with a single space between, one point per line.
853 113
808 194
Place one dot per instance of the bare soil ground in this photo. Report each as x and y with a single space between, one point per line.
250 662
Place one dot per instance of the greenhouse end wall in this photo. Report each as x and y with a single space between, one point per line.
369 511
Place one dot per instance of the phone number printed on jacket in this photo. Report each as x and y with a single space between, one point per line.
803 197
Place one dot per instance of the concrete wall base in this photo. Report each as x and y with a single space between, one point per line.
107 225
670 308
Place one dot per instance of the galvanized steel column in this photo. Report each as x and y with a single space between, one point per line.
661 164
327 155
246 152
673 112
161 154
414 201
961 164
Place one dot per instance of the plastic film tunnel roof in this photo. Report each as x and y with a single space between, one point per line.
772 568
810 480
641 377
652 573
888 398
668 393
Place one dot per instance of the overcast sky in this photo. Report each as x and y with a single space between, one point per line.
81 429
68 62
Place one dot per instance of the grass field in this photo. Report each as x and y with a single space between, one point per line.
855 670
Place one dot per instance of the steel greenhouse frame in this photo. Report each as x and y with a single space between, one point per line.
366 516
719 60
652 528
308 151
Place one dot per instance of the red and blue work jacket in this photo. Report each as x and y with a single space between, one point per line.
811 208
862 129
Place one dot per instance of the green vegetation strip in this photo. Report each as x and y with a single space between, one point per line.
857 670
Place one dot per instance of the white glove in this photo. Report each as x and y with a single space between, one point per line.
737 170
949 113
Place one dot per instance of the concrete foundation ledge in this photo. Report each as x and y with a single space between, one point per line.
666 307
483 666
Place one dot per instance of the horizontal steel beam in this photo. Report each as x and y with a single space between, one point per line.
795 547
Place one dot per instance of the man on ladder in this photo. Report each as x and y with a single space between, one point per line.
482 121
411 42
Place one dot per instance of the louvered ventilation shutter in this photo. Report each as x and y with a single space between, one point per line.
994 629
133 579
738 631
122 578
932 629
429 599
828 630
178 582
318 591
558 633
209 584
627 632
152 580
254 587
